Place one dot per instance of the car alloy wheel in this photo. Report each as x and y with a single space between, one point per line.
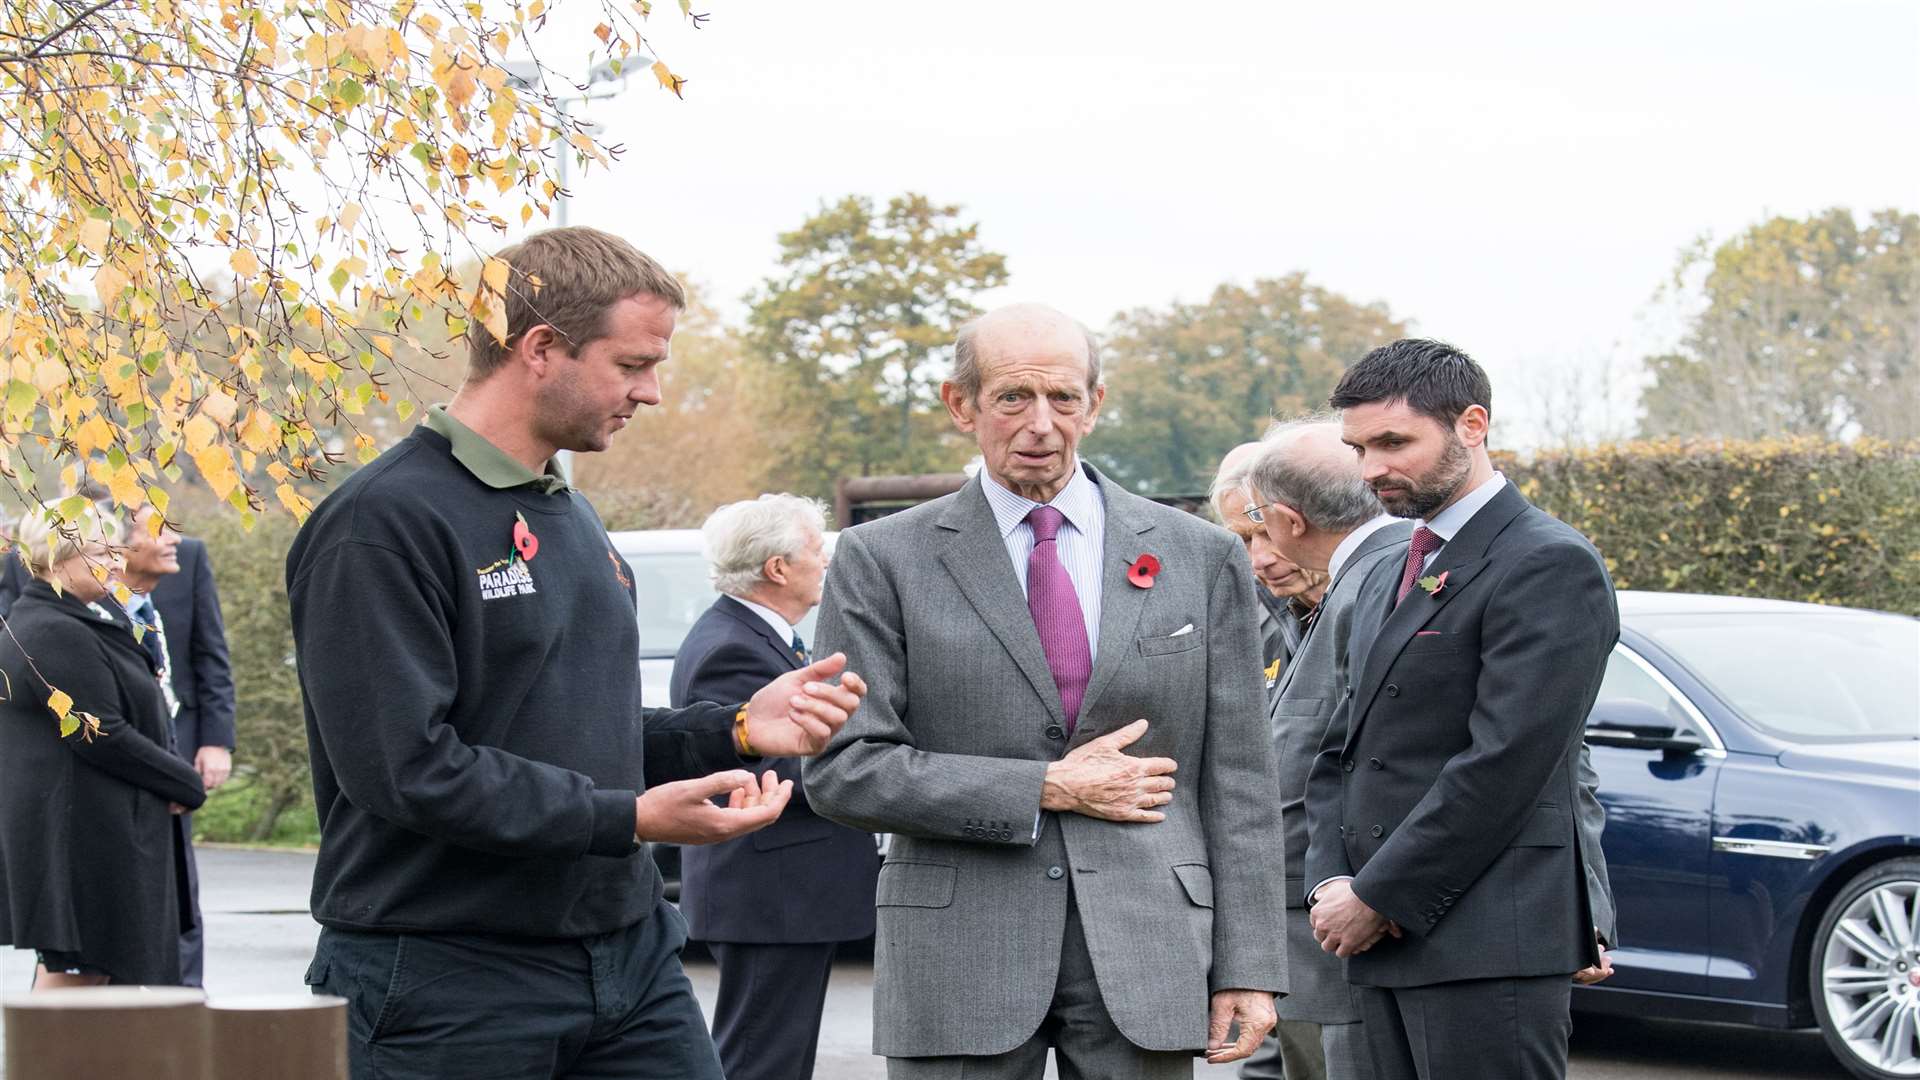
1866 977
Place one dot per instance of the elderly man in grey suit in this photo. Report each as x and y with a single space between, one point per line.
1287 593
1043 649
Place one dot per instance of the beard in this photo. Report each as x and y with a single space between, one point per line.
1434 488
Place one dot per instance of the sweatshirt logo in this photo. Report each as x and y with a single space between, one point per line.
512 576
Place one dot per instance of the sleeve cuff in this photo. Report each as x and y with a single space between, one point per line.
613 824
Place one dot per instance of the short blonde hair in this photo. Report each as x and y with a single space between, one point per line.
47 538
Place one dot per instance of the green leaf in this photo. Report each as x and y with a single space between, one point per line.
404 409
338 279
68 725
352 92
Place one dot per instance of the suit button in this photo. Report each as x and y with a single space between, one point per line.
1377 830
1056 873
1392 690
1349 689
1055 731
1347 765
1374 763
1343 830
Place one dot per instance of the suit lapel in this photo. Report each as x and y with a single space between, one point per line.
1461 559
976 557
1120 603
751 619
1385 536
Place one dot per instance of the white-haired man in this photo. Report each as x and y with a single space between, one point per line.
770 906
1288 592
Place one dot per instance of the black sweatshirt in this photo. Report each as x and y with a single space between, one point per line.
473 705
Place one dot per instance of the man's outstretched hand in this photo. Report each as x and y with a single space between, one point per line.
683 812
795 714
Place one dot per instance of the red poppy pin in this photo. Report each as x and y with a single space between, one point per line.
524 542
1433 585
1140 574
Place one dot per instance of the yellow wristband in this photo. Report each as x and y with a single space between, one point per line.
740 733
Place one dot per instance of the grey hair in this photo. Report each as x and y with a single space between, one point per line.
1329 493
740 537
966 358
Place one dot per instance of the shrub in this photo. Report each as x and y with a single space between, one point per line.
1801 519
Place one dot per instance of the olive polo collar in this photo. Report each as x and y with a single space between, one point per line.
488 463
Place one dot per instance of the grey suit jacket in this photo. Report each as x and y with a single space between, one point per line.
949 751
1452 792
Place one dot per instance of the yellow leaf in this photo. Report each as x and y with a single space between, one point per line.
220 406
603 32
668 79
60 702
243 263
94 233
200 434
108 283
350 215
216 467
494 276
297 504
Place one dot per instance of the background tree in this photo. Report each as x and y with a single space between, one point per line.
708 442
1187 382
1809 327
860 324
223 221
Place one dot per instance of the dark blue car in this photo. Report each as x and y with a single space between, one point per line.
1760 766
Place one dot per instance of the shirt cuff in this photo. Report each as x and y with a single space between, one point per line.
1315 891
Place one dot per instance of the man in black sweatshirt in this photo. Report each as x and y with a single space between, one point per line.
483 768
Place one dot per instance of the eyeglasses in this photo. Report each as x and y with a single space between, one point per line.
1254 512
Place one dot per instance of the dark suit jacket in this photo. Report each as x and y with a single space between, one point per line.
13 581
801 879
196 637
1452 797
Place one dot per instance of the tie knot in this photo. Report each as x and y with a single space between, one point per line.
1426 541
798 645
1046 522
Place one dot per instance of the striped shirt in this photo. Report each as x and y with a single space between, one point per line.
1081 540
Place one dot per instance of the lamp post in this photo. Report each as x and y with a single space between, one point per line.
526 75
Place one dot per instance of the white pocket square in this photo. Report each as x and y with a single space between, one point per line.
1187 629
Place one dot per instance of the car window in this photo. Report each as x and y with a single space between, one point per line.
1627 679
1817 674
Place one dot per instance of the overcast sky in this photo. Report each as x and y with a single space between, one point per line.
1517 178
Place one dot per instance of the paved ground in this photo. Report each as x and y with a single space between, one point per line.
261 939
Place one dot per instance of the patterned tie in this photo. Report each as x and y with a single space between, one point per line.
1425 543
1056 613
800 648
147 617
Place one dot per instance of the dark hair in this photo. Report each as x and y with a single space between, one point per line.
1434 378
568 279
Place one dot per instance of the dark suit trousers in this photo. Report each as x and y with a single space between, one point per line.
193 952
766 1022
1087 1045
1487 1029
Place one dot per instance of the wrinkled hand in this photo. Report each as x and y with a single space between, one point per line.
1099 780
214 764
682 812
1587 976
795 714
1343 924
1252 1008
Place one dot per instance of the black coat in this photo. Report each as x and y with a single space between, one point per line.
1448 781
90 858
196 636
801 879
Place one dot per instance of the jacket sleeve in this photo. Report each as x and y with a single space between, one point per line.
77 665
684 744
212 669
1246 851
1592 819
380 681
872 776
1544 640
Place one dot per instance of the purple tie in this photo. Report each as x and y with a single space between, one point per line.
1425 543
1056 613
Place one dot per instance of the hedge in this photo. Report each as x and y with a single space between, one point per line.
1800 519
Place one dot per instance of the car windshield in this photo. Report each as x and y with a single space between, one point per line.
1812 675
672 591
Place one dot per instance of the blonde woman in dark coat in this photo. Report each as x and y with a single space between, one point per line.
90 860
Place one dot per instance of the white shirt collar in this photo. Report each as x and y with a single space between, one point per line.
1080 502
1352 543
1450 521
781 627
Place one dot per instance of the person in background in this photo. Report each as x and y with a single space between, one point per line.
1289 593
88 842
770 906
176 612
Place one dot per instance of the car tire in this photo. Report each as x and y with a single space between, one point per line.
1864 972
